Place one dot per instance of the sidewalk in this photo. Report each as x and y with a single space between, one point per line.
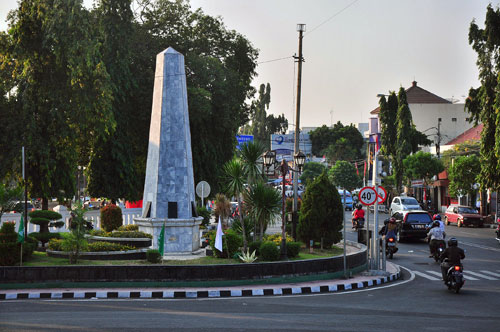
359 281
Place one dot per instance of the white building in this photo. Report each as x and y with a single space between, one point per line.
430 111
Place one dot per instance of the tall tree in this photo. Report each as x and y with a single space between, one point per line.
403 139
324 136
388 122
463 176
311 171
111 169
259 115
61 88
483 102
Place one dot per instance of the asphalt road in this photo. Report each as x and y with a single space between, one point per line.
419 302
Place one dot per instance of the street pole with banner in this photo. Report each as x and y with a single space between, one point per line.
345 255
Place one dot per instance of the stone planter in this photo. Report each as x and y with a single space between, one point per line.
103 255
133 242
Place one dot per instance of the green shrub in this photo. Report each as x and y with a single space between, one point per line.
128 228
43 218
249 226
231 243
269 251
153 256
129 234
45 237
293 249
98 232
8 232
111 217
107 246
55 244
203 212
255 246
9 254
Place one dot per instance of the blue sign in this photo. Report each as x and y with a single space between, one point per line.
242 139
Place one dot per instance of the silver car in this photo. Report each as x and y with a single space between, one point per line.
403 203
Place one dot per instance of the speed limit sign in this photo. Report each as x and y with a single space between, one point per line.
367 195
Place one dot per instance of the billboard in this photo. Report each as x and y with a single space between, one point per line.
284 144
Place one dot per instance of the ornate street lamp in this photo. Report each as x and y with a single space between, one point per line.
269 159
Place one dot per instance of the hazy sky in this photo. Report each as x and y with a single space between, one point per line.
351 54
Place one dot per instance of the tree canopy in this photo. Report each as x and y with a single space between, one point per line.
463 175
339 137
311 171
77 88
422 165
483 102
343 175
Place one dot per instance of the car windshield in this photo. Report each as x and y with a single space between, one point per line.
409 201
419 217
466 210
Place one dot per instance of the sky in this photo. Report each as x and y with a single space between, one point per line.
353 50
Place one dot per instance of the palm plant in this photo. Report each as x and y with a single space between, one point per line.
235 177
263 204
251 156
222 207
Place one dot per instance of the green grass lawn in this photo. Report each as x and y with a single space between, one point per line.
41 259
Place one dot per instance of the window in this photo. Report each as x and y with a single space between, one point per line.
453 119
418 217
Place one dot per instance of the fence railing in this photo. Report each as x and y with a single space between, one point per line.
92 215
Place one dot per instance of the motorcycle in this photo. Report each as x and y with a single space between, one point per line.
390 247
439 250
455 277
358 223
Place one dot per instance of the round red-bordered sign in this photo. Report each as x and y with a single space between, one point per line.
367 195
382 194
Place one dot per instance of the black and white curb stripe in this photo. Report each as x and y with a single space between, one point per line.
200 294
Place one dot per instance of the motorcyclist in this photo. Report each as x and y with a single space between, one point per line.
390 228
436 235
437 217
454 255
358 214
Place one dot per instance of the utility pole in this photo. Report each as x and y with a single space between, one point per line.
438 144
301 28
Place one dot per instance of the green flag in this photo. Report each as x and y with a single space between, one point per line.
161 240
20 231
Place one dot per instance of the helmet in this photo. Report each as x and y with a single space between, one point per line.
452 242
436 217
359 206
392 220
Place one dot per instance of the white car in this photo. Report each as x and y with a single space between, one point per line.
403 203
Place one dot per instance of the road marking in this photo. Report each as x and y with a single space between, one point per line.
481 275
468 277
436 274
425 275
492 273
479 246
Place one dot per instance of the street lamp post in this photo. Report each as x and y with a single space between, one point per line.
269 158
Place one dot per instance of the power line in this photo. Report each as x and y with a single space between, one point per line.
331 17
287 57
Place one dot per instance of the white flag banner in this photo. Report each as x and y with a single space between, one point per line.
218 237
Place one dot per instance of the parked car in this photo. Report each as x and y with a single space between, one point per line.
348 199
412 224
463 215
19 207
403 203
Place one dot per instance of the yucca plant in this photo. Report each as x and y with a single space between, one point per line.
263 204
246 257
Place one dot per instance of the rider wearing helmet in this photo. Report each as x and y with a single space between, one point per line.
436 235
454 255
358 214
390 228
437 217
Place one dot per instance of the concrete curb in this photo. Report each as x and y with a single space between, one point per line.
196 294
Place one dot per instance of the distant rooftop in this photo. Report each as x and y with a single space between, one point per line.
472 134
417 95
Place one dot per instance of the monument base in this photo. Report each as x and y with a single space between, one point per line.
181 235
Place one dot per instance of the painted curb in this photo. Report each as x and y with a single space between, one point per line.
222 293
